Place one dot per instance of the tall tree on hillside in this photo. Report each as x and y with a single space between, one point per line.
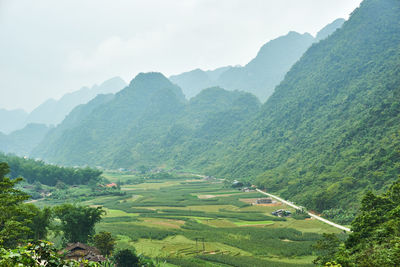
77 222
14 217
375 236
104 242
40 221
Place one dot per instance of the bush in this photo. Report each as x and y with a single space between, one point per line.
38 253
126 258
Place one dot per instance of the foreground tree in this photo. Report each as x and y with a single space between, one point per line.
126 258
14 217
375 237
104 242
40 221
78 222
326 248
38 253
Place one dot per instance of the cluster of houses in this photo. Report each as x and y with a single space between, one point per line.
281 213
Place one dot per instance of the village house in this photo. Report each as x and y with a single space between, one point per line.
111 185
246 189
77 251
281 213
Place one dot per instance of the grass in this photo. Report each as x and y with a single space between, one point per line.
180 246
249 223
149 186
163 218
118 213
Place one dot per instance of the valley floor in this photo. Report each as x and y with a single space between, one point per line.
191 221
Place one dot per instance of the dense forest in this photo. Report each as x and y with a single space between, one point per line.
374 238
332 128
148 123
38 171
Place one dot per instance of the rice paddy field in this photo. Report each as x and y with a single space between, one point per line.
190 221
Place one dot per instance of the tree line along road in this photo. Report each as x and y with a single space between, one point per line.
341 227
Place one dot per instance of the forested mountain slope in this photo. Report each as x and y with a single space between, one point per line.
106 123
332 127
329 132
73 119
261 74
148 123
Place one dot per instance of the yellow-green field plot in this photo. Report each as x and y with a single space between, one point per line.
166 218
180 246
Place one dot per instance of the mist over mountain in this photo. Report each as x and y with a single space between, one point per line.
329 29
21 142
52 112
196 80
260 75
112 122
11 120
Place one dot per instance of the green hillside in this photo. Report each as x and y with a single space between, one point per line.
331 129
328 133
148 123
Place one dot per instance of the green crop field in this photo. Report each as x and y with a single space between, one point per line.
186 221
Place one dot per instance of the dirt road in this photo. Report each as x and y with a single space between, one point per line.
341 227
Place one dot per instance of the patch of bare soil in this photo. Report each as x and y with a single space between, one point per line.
253 201
205 196
212 196
170 223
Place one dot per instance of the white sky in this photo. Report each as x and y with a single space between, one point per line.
48 47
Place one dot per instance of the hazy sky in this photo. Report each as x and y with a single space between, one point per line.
50 47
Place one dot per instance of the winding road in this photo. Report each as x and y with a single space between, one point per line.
341 227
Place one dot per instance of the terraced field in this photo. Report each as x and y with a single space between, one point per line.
194 222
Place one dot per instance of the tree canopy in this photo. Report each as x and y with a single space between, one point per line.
78 222
14 217
38 171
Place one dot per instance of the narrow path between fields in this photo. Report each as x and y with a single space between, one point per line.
341 227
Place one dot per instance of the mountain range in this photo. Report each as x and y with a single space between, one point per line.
11 120
263 73
21 142
52 111
143 123
329 132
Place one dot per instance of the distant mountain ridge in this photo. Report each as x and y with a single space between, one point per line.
11 120
260 75
52 112
21 142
